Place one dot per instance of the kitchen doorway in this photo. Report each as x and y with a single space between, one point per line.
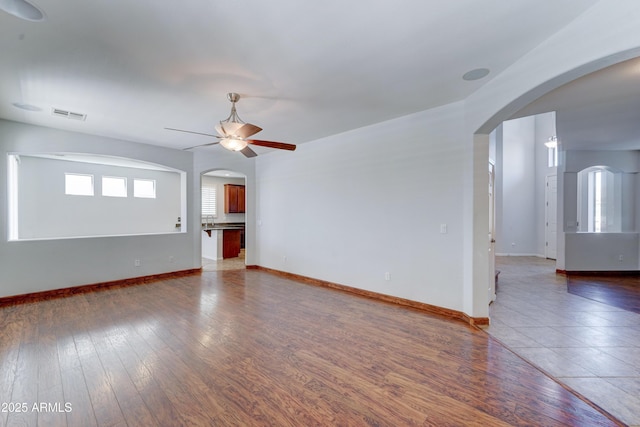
223 220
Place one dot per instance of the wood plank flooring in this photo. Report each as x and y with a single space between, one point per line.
618 291
247 348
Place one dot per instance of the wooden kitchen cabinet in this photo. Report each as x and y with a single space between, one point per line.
234 198
231 243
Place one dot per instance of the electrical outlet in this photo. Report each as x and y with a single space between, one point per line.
136 263
284 258
171 258
620 258
387 276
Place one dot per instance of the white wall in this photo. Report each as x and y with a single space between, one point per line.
33 266
349 208
47 212
516 229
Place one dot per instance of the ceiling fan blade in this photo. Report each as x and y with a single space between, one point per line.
247 130
248 152
272 144
197 133
201 145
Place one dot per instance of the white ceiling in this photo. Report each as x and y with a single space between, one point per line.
600 111
305 70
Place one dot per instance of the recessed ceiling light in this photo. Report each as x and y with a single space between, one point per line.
22 9
476 74
23 106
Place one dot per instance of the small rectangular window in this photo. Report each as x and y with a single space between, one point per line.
144 188
113 186
78 184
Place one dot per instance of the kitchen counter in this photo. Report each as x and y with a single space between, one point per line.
224 240
223 226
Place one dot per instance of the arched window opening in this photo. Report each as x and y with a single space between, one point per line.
599 200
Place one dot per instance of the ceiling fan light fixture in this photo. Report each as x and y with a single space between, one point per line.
233 133
231 124
230 128
233 144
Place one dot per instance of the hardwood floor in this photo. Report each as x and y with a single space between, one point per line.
247 348
619 291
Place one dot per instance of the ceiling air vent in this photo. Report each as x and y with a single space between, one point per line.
68 114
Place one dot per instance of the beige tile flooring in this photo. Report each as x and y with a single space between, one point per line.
592 348
224 264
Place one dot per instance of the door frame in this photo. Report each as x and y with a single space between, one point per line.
492 232
547 216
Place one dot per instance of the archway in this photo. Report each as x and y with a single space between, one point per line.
478 273
223 219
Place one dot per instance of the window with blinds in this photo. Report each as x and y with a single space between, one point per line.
208 200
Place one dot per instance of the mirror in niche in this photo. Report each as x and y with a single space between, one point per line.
599 200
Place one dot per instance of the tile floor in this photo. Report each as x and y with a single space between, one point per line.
591 347
224 264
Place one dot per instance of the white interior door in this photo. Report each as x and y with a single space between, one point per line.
551 217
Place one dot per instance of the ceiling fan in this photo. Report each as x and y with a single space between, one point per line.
233 133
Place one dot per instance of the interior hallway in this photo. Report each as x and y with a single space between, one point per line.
590 346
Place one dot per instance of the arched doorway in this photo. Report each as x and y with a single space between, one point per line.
540 332
223 220
478 275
